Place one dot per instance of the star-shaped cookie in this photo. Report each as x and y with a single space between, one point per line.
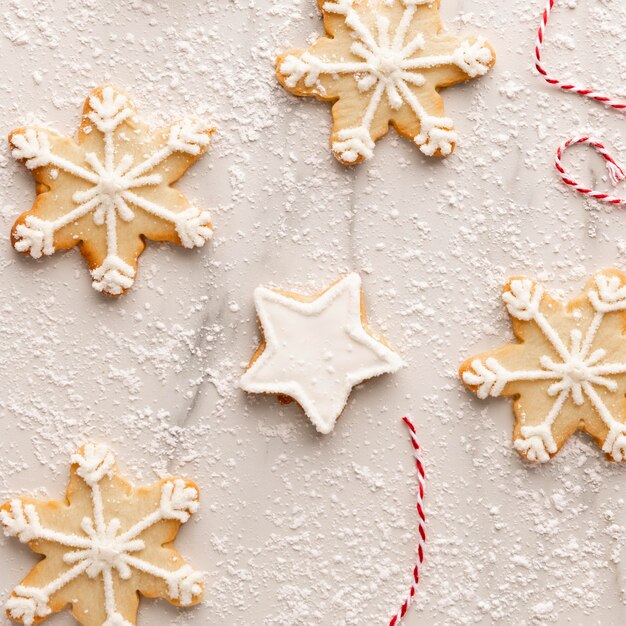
102 546
315 349
568 371
382 62
111 189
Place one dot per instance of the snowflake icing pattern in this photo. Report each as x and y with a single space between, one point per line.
110 189
91 559
396 59
571 362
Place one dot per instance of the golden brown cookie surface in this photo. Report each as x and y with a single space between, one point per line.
104 545
384 62
110 189
568 371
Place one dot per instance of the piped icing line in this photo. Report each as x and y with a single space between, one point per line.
577 372
115 181
389 65
316 351
421 527
102 550
615 170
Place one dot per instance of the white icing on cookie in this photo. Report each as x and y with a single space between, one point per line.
575 369
104 549
316 351
389 65
115 188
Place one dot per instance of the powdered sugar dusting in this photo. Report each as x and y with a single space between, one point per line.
290 530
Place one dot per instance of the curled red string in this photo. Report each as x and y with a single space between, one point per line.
566 86
616 172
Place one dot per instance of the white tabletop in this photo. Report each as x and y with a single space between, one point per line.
296 528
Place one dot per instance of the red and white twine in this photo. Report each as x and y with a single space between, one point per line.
417 453
616 172
588 93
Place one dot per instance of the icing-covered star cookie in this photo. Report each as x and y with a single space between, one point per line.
315 349
383 62
102 546
111 189
568 371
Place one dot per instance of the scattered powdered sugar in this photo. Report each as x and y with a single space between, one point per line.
297 529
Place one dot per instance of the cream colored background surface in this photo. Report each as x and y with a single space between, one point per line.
296 529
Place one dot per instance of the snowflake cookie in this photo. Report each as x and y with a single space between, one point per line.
103 546
111 189
315 349
384 61
569 370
